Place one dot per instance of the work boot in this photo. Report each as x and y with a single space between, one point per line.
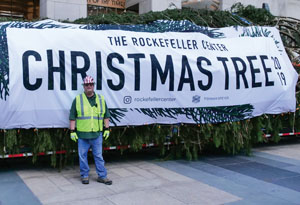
104 181
85 180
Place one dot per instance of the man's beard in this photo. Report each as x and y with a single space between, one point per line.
89 93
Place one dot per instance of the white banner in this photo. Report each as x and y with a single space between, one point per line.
146 77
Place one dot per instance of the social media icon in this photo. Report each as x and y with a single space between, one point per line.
196 99
127 99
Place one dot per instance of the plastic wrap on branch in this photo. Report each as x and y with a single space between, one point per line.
289 29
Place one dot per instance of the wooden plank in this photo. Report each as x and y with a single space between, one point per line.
13 3
13 9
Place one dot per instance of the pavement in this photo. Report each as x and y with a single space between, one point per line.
271 175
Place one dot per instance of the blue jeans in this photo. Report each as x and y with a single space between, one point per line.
83 147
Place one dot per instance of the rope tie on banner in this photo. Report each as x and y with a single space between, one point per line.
199 142
294 119
4 136
296 64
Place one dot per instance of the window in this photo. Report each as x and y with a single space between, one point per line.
25 9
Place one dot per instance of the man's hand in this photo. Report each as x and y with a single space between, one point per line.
73 136
106 133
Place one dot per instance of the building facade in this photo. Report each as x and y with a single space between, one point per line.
74 9
63 9
144 6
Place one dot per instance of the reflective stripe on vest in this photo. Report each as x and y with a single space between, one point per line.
89 119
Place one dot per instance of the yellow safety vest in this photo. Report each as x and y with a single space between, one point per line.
89 119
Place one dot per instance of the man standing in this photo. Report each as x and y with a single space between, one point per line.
90 114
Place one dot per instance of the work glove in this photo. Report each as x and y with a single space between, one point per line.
73 136
106 133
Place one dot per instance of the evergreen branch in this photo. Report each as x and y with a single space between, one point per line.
202 115
4 66
116 114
